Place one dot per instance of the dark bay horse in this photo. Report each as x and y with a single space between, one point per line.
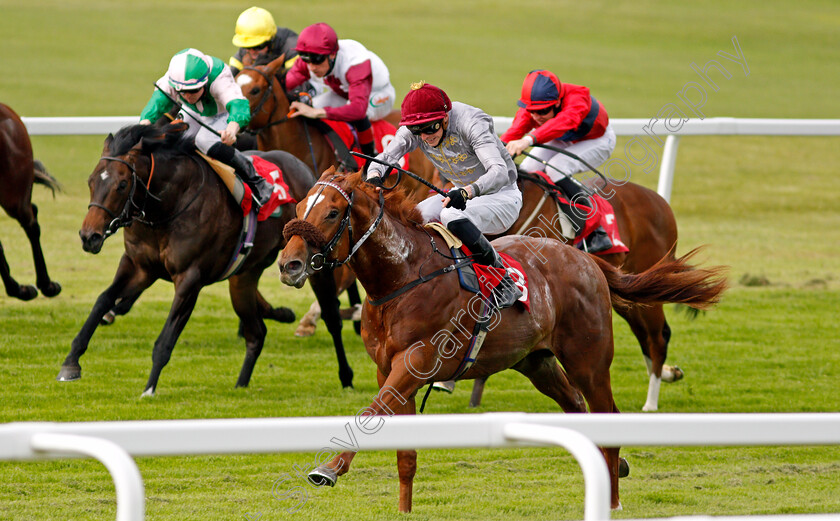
422 333
18 170
647 226
276 131
182 225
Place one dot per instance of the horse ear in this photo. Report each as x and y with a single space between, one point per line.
276 64
329 172
107 146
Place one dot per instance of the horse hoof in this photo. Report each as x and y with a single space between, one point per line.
323 476
108 318
69 374
284 315
27 292
148 393
305 330
678 374
53 289
447 387
623 468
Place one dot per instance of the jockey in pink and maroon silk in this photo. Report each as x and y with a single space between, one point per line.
563 116
352 83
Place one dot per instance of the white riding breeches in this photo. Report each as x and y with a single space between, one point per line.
593 151
490 213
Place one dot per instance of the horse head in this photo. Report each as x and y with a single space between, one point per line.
115 180
314 238
264 93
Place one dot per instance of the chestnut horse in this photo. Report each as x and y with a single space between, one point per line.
647 227
18 170
276 131
417 330
182 225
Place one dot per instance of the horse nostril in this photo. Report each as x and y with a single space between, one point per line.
294 266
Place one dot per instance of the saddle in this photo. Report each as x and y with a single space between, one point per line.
604 215
242 193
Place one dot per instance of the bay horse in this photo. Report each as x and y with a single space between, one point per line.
417 329
18 171
647 227
181 224
275 130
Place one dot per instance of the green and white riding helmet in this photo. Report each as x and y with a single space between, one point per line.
189 70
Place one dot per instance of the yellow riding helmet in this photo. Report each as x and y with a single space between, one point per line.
254 26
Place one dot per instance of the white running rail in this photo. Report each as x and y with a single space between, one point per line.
40 440
652 132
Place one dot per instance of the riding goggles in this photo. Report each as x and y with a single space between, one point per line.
426 128
309 57
542 112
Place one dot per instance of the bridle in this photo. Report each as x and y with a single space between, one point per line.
130 210
319 260
267 94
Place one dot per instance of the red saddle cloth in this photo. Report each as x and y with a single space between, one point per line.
489 277
383 133
274 176
604 216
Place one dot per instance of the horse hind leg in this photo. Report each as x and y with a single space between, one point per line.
243 295
324 286
13 288
49 288
542 369
653 333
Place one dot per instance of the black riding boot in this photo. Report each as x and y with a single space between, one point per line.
505 293
244 169
368 149
596 241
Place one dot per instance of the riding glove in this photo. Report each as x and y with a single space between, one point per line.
457 198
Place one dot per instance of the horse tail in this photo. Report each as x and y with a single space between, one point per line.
42 177
669 280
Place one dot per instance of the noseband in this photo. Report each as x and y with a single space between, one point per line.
313 235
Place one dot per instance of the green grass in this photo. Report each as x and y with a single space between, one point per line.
766 207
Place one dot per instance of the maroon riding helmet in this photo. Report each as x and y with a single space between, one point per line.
318 38
423 103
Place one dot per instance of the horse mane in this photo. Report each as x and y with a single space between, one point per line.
154 138
396 200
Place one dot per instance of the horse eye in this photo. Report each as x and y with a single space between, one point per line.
255 91
333 214
122 185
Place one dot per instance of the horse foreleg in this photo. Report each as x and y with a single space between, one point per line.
187 288
244 297
129 280
48 287
323 284
13 289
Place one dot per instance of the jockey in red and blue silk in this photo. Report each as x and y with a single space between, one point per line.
567 117
352 83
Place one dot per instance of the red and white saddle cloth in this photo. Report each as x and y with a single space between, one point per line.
489 277
274 176
604 216
383 133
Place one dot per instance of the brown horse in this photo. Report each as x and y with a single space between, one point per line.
18 170
276 131
182 225
418 330
647 226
